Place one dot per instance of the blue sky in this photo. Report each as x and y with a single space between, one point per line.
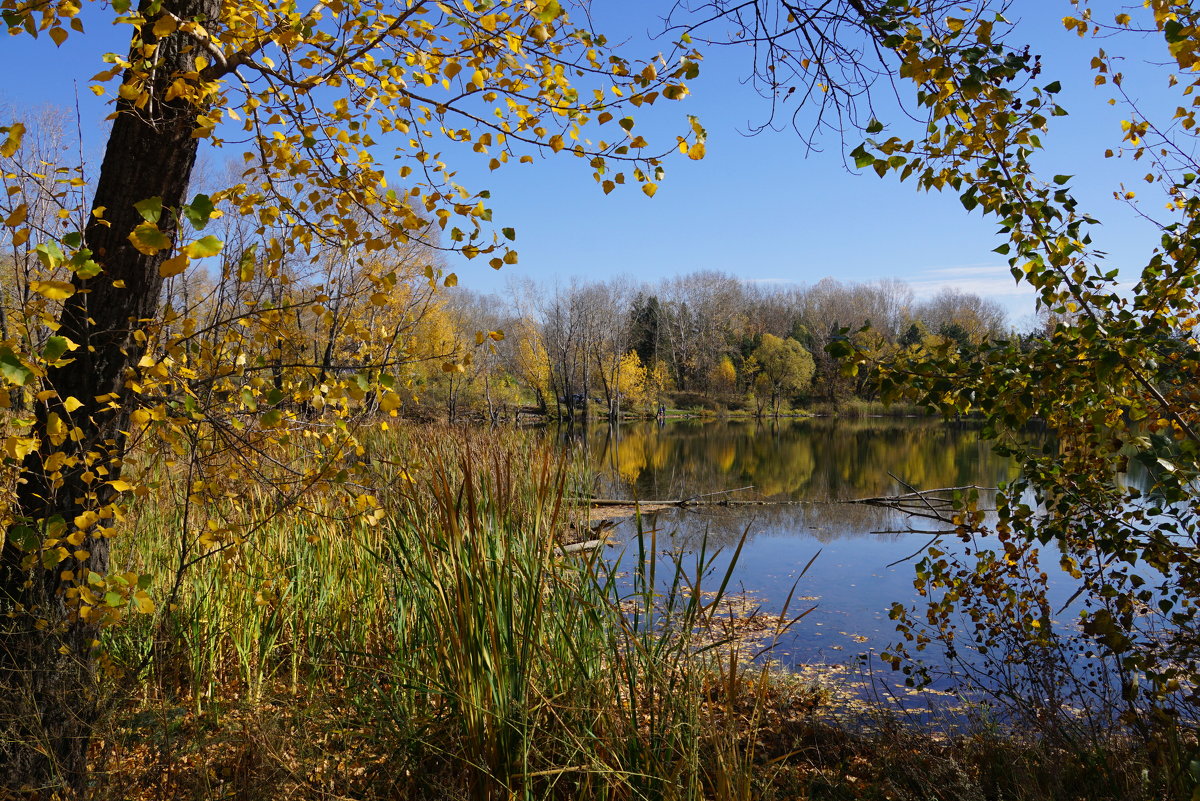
756 207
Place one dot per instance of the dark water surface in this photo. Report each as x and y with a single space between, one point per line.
860 567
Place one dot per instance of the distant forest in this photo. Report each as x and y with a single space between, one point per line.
706 339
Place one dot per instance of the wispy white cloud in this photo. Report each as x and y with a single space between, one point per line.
773 281
983 279
991 281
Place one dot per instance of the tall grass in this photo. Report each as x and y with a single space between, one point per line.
437 620
554 677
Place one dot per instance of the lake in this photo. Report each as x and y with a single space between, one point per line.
802 467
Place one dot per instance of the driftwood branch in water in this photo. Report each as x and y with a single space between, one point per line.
927 503
682 503
694 500
930 504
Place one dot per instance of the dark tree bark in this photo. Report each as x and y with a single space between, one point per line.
48 694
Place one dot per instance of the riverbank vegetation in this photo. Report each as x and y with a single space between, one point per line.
434 645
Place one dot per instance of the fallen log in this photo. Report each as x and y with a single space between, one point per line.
576 547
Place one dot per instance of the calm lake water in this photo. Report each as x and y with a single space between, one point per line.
860 567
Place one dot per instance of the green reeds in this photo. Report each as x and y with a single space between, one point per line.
438 614
552 676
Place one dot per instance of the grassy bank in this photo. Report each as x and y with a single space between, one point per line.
417 636
427 644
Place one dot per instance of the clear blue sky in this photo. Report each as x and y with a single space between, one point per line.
756 207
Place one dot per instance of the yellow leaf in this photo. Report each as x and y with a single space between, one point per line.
17 217
174 266
165 26
58 36
19 447
451 280
120 485
143 602
649 189
147 239
55 290
203 248
13 141
55 428
696 151
71 404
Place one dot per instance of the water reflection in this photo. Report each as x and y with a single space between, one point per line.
800 468
796 460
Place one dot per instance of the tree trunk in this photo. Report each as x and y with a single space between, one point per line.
48 691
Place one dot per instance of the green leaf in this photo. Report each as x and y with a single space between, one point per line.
50 255
13 369
509 233
1053 88
874 126
56 347
549 11
25 538
150 209
199 211
862 159
83 265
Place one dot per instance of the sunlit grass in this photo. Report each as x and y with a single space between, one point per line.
443 627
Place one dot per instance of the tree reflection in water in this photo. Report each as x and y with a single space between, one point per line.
801 467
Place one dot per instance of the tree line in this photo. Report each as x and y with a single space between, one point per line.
616 347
